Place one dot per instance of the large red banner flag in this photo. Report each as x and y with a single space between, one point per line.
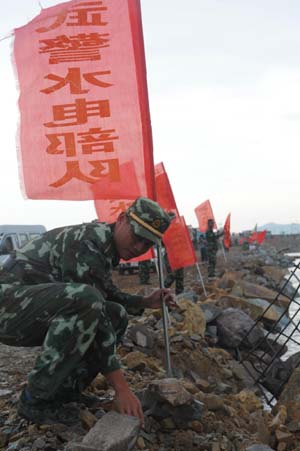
178 244
203 213
84 114
226 237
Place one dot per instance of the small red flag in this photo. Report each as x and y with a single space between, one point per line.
203 213
179 245
226 238
259 237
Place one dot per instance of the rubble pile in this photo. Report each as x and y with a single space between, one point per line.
209 403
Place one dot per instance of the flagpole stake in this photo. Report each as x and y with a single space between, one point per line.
164 313
222 247
201 279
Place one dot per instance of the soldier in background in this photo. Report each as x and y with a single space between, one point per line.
203 248
212 239
177 275
144 272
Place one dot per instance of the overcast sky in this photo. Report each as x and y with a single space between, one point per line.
224 91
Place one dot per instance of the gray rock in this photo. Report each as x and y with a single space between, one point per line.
5 392
39 443
141 336
211 331
114 432
259 447
235 326
211 312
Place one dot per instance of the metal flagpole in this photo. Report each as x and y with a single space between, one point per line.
201 279
164 312
222 247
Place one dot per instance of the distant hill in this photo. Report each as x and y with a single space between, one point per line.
281 229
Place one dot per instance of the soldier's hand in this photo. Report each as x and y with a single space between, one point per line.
127 403
155 299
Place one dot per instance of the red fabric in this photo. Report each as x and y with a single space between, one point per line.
147 256
83 102
203 213
177 238
164 193
252 238
179 245
226 237
126 187
258 237
261 236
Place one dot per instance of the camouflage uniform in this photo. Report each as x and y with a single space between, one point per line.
144 271
212 239
57 292
177 276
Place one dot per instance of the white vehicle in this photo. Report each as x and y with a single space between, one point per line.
13 237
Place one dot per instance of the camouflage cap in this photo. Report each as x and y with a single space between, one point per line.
148 219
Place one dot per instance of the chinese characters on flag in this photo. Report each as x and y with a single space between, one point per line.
83 102
203 213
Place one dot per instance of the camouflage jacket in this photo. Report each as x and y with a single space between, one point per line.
212 239
82 253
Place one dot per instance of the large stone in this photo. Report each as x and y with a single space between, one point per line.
256 308
274 273
114 432
170 390
235 327
211 311
141 336
252 290
290 397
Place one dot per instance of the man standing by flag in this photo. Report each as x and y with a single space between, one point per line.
57 292
212 239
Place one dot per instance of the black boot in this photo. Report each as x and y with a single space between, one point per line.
40 411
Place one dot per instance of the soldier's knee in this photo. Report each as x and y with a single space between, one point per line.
85 296
118 315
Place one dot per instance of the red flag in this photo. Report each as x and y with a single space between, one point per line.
203 213
226 238
164 192
253 237
261 236
258 237
126 187
179 245
83 101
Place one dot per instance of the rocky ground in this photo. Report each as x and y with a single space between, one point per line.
212 403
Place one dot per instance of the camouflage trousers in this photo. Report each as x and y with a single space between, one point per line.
76 327
178 277
144 271
212 261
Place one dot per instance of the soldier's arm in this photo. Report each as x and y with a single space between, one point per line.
126 402
86 263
